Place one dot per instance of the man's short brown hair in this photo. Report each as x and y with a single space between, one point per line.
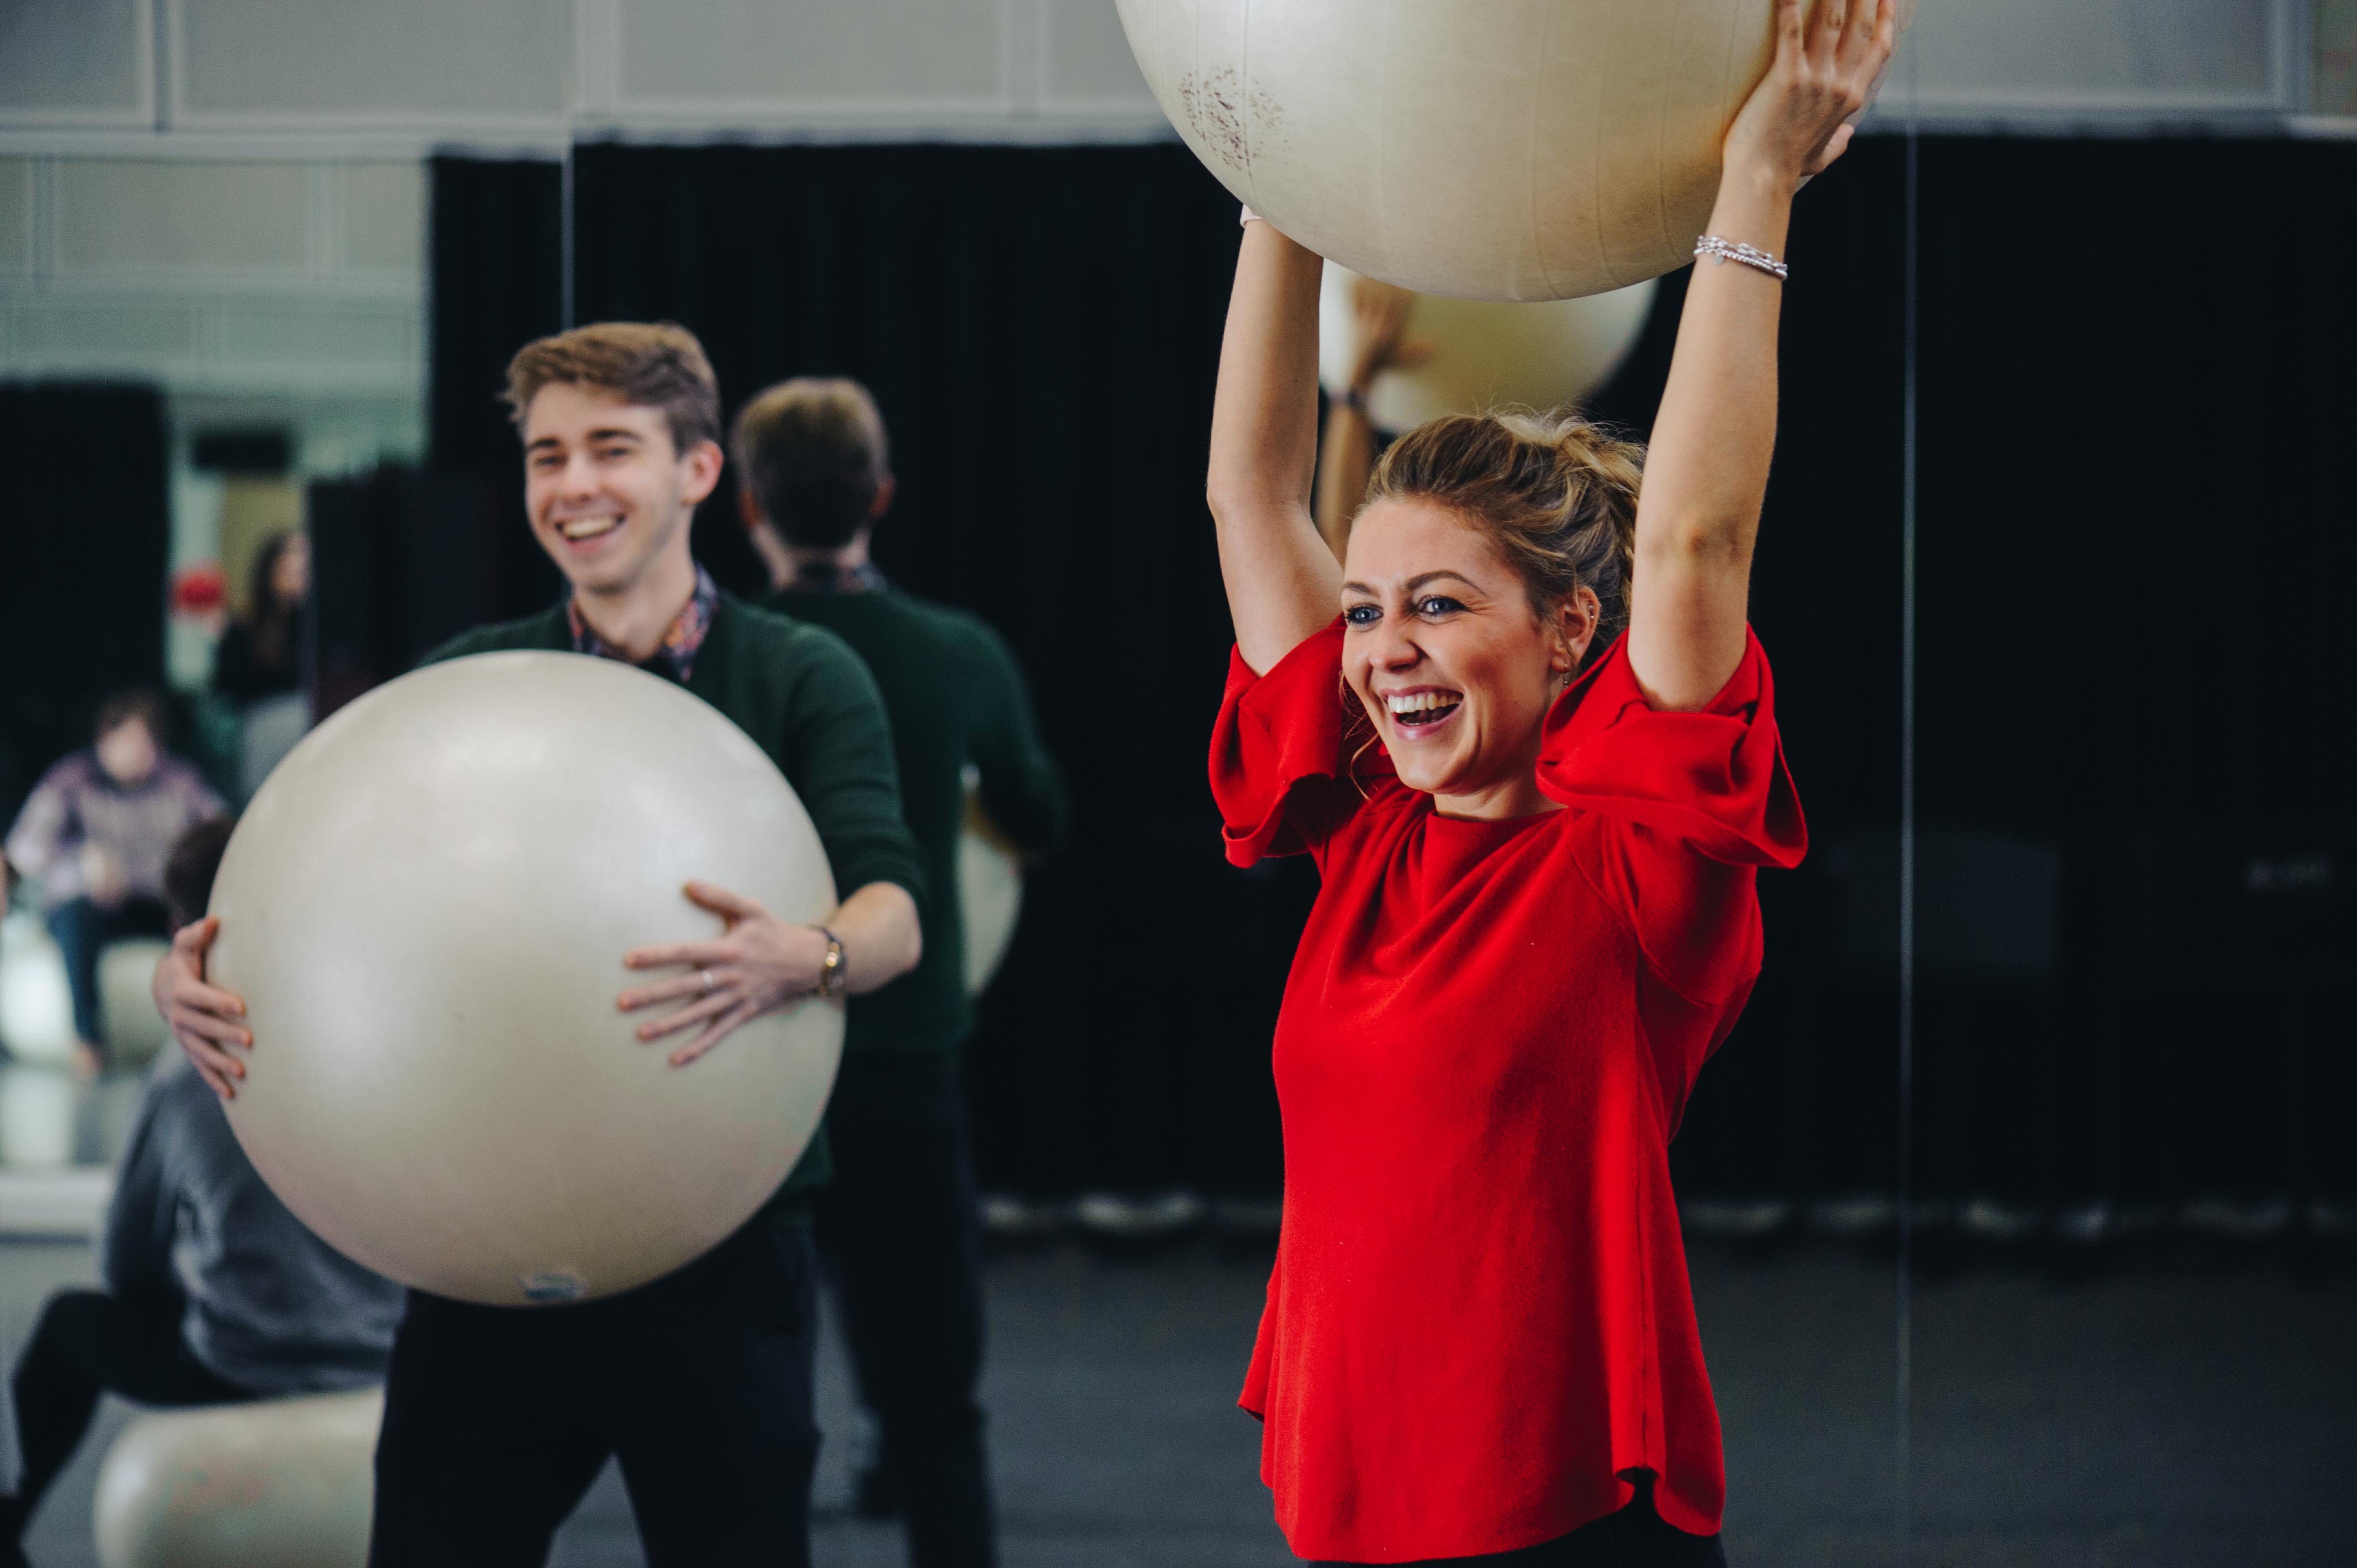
141 704
652 364
812 452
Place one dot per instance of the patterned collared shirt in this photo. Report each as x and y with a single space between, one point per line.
675 656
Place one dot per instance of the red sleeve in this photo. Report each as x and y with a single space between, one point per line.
1690 805
1278 766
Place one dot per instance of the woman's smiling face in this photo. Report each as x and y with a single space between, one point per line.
1454 669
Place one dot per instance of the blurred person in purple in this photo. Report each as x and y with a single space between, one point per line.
95 834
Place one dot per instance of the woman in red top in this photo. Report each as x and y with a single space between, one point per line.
1535 760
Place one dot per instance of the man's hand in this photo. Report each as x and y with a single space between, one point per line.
758 965
102 877
205 1019
1379 312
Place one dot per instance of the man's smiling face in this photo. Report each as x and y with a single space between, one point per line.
605 488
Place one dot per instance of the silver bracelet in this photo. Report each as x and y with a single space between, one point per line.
1726 251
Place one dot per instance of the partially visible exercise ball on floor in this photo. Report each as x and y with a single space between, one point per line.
134 1030
278 1484
1488 149
990 892
1486 353
426 909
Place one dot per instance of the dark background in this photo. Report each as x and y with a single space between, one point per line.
2134 525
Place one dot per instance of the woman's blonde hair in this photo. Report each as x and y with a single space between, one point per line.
1558 494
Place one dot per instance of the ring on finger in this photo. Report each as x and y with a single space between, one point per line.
709 981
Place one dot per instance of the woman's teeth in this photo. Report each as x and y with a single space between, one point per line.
1424 707
578 529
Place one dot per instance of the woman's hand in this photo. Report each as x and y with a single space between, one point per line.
759 965
1797 121
206 1020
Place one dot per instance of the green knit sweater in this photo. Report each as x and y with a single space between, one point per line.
810 703
956 697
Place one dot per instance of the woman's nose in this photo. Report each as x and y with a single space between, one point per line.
1394 648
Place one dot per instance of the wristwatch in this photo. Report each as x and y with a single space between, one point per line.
830 970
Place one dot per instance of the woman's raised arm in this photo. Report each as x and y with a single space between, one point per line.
1707 469
1283 583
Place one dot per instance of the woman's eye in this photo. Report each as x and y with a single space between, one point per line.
1437 605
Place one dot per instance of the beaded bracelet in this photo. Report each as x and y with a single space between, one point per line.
1726 251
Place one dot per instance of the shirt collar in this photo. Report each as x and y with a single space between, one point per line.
825 577
676 655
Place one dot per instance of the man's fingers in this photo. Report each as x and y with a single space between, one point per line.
206 1026
197 935
719 1030
221 1086
202 998
697 955
696 982
720 901
711 1006
220 1068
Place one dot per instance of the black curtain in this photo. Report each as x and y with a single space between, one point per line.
2130 865
82 598
1040 328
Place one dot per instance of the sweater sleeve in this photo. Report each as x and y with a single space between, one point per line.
1688 807
42 842
1279 771
1021 788
837 754
136 1247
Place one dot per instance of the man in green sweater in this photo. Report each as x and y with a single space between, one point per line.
497 1419
899 1229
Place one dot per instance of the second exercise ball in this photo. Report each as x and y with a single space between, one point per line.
283 1483
1486 354
426 909
1488 149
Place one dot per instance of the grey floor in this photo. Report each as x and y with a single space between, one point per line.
2156 1421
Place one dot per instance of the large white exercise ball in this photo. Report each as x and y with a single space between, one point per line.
426 909
990 892
278 1484
1486 354
1488 149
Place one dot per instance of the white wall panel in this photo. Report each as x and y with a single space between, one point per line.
125 214
104 336
2094 53
403 63
76 62
16 217
381 217
773 54
1088 61
329 331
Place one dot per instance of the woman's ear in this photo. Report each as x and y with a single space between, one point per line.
1576 620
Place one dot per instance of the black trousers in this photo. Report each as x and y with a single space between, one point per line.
82 931
900 1232
87 1343
497 1419
1635 1537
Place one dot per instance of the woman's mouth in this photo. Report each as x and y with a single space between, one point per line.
584 530
1420 712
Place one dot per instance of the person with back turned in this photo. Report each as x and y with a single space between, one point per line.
900 1228
498 1419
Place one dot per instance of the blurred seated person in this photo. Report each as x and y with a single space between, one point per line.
94 833
214 1293
260 654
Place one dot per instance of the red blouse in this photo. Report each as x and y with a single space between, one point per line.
1479 1326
